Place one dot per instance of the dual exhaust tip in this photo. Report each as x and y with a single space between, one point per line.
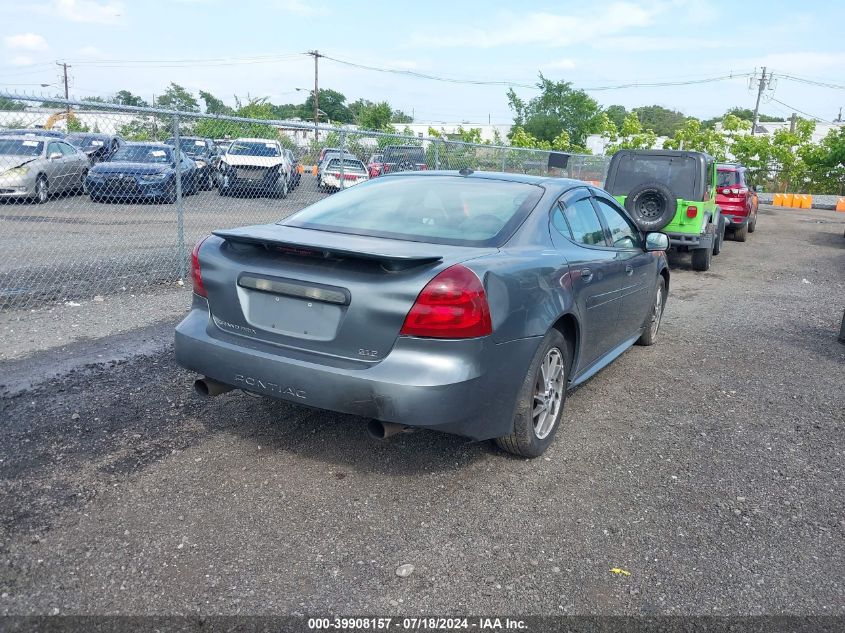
376 429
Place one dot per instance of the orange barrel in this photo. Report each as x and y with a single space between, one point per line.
840 204
314 170
787 199
778 200
806 201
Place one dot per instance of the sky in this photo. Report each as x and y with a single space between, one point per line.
254 48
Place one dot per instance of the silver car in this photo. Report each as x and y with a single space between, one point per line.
39 166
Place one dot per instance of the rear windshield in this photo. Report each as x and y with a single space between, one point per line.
434 209
679 173
250 148
399 154
87 142
334 163
728 178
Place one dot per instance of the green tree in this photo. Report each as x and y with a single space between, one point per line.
213 105
662 121
11 105
401 117
75 125
630 135
692 137
617 114
177 98
124 97
375 116
558 108
745 114
332 102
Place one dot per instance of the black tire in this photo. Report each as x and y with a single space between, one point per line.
752 224
281 188
524 441
651 205
655 315
702 258
741 233
405 165
81 188
42 190
720 237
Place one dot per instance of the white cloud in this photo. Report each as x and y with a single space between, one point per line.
560 64
544 28
93 11
91 51
26 42
303 8
21 60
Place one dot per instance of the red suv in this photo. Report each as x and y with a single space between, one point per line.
737 200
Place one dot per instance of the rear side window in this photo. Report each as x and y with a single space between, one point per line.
623 234
580 223
434 209
679 173
729 178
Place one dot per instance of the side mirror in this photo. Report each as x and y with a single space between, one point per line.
55 155
656 242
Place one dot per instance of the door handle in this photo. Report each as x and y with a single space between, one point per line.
629 270
586 275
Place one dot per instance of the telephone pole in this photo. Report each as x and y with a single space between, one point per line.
67 93
762 84
317 56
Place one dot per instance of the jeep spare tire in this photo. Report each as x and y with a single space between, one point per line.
652 205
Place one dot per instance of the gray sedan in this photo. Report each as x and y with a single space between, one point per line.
39 166
462 302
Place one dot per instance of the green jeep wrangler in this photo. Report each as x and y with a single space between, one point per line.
673 192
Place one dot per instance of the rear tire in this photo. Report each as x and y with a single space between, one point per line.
741 233
541 399
702 258
752 225
652 205
652 322
720 237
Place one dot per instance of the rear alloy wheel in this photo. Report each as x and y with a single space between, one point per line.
652 324
82 188
539 406
42 190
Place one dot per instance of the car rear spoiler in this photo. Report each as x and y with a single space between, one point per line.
392 255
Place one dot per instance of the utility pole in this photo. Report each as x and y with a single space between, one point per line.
762 83
317 56
839 118
67 93
792 121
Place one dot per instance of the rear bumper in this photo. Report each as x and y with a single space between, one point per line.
464 387
690 240
733 221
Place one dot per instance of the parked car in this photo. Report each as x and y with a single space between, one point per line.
353 172
671 191
328 157
374 165
403 158
36 167
737 200
465 303
142 171
296 176
325 151
98 147
33 131
254 165
204 153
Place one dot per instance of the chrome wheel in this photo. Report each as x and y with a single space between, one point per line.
548 393
41 191
657 311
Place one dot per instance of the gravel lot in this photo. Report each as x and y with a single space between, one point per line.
709 467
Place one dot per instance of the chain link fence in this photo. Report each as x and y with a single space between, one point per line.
100 199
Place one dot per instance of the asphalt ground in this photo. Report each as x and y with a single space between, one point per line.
706 470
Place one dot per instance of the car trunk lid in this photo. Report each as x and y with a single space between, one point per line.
316 291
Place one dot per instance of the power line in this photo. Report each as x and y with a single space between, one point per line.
187 63
813 82
794 109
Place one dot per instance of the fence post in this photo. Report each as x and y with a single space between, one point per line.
436 154
504 160
342 157
180 210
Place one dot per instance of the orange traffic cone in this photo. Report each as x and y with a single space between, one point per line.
840 204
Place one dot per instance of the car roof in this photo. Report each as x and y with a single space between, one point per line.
552 181
87 134
730 166
255 140
29 137
149 144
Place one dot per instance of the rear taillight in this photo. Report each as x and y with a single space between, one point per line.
692 212
452 305
423 167
196 273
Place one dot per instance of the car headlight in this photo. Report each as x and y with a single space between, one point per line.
154 177
200 163
16 172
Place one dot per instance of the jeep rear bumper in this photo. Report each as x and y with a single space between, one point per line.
690 241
